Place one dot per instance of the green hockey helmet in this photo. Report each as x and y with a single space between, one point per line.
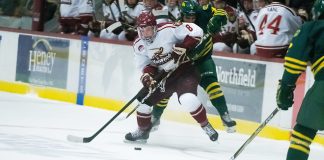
188 8
318 9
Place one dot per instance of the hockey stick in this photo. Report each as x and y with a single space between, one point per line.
73 138
255 133
77 139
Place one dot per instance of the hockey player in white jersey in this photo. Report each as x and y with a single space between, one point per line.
75 16
275 27
173 9
69 16
225 40
133 8
127 16
161 49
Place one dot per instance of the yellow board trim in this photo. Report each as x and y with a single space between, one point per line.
20 88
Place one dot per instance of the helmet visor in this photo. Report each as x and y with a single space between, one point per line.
147 33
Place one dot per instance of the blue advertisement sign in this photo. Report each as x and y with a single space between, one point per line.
42 61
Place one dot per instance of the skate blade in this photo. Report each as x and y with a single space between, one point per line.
231 129
142 141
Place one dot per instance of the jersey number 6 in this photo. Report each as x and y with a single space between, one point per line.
273 25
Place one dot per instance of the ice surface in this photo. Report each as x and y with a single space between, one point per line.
36 129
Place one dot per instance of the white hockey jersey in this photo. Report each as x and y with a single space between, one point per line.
132 13
69 8
275 26
111 11
175 11
159 52
230 27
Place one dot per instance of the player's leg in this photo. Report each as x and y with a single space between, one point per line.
157 112
310 119
300 141
210 84
144 116
187 91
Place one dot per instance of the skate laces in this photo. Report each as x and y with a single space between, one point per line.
209 130
137 133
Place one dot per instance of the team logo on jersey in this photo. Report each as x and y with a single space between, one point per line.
159 58
140 47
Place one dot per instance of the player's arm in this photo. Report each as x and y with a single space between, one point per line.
188 35
141 60
295 63
297 56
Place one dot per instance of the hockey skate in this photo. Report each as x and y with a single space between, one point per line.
138 136
229 124
155 123
211 132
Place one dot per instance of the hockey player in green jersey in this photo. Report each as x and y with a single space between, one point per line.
201 56
306 46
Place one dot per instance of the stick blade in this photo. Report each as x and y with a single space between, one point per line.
75 139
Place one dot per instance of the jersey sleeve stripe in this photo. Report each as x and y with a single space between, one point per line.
294 66
317 62
318 68
292 71
297 61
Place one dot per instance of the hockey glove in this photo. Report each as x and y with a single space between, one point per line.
285 95
147 78
179 50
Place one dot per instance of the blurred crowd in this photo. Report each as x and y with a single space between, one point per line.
113 19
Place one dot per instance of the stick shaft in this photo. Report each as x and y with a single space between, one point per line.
255 133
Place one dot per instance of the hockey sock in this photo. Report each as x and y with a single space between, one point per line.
158 109
143 121
200 116
300 140
216 96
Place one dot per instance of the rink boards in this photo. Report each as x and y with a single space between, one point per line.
102 74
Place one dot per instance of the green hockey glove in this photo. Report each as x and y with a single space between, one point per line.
285 95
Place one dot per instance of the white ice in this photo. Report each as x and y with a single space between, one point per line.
36 129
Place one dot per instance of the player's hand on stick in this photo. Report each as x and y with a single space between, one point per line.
147 78
285 95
